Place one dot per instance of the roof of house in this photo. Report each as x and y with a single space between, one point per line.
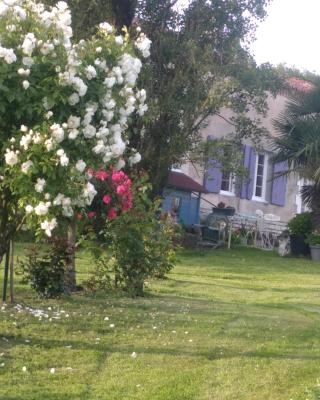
182 181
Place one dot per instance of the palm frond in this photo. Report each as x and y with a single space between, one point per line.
298 133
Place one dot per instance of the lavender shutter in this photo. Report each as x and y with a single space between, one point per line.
213 177
250 163
279 184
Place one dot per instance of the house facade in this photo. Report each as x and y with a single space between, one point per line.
265 191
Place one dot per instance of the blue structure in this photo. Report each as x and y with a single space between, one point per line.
181 198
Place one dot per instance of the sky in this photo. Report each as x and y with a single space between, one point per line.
290 34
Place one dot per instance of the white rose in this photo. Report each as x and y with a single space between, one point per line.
48 227
39 186
90 72
135 159
74 99
89 131
73 134
26 166
29 209
74 122
11 157
80 166
64 161
119 40
41 209
106 27
110 82
26 85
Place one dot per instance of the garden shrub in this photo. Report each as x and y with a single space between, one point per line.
101 276
313 239
141 245
45 270
301 224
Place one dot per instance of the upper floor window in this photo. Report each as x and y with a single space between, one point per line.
260 177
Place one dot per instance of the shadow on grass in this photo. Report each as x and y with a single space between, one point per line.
44 395
216 353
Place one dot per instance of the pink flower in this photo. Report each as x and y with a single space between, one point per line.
117 176
101 175
112 214
121 189
126 206
106 199
92 214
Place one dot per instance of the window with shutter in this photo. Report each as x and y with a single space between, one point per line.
260 177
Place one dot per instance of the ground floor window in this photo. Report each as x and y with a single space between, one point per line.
260 177
227 183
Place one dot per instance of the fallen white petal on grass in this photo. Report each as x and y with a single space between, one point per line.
134 355
52 371
24 369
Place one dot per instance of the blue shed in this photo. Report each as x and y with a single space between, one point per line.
181 197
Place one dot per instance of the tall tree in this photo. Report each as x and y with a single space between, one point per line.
198 65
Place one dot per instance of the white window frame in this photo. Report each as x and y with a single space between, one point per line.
264 179
231 186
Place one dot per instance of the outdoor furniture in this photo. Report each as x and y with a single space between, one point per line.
217 227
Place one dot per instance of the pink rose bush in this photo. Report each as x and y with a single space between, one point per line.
114 194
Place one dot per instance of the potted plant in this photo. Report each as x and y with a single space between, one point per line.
223 210
314 243
300 227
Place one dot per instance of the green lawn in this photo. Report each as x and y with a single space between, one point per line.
242 325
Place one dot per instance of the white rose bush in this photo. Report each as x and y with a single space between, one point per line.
64 108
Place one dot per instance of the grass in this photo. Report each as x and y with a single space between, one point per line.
238 325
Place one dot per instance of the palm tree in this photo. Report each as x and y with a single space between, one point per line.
298 142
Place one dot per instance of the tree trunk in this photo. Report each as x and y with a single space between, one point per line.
11 266
71 264
139 288
124 11
6 273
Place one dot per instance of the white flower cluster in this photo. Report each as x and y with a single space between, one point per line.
8 55
91 131
143 44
